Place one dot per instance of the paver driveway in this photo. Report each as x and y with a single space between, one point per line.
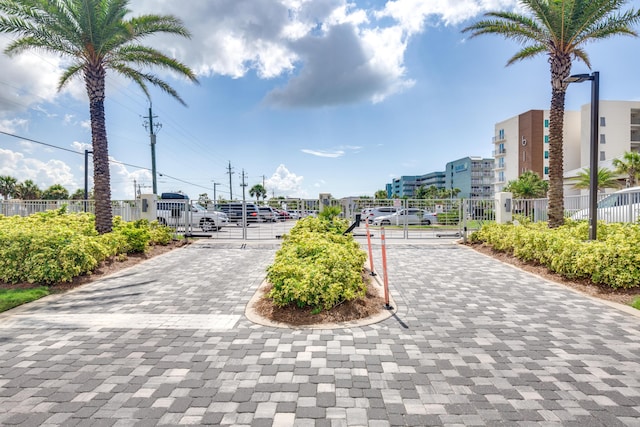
474 342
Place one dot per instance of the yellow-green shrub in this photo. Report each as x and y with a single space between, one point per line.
55 247
317 266
614 259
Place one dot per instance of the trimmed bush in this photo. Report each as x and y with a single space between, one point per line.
317 266
613 259
53 246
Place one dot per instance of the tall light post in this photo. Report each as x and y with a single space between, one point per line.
593 153
86 177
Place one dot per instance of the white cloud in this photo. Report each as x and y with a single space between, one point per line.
328 52
12 125
44 174
329 154
80 146
285 183
412 14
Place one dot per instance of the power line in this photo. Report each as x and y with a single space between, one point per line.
110 160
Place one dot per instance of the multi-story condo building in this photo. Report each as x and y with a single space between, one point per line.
474 177
521 144
406 186
618 132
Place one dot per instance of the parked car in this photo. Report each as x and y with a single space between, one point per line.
411 216
182 213
234 212
268 213
372 213
621 206
283 215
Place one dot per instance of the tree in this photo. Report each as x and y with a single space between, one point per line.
528 186
630 166
606 179
28 190
79 194
55 192
558 29
8 186
94 36
258 191
380 194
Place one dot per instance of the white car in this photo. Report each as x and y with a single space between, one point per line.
175 212
370 214
621 206
411 216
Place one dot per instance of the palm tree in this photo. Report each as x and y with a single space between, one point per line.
8 186
528 186
558 29
380 194
95 36
28 190
606 179
629 165
55 192
258 191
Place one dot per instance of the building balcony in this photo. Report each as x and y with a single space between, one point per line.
499 153
498 139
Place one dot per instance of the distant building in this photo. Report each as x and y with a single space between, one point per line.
521 144
406 186
472 175
618 132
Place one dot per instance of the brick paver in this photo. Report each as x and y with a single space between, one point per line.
474 342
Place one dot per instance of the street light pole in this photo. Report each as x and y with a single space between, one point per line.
593 147
86 177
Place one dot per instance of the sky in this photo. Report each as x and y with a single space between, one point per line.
303 96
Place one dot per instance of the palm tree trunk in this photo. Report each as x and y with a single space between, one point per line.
95 82
560 70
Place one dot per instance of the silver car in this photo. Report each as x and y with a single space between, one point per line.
411 216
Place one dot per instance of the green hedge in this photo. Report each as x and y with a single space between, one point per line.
317 266
613 259
54 246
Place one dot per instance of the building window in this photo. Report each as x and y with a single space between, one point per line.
546 170
603 122
602 157
546 139
524 156
546 123
546 154
603 140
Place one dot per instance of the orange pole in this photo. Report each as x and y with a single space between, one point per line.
370 252
384 270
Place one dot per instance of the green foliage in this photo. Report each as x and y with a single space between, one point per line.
317 266
329 213
605 179
54 246
449 218
529 185
613 259
636 303
10 298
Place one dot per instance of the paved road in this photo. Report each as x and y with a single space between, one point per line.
474 342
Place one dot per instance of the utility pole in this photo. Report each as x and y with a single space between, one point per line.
230 186
243 185
152 136
215 184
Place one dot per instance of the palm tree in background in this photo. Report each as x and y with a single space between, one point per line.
258 191
528 186
28 190
55 192
95 36
7 186
606 179
559 29
629 165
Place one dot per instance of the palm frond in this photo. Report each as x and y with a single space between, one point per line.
140 78
146 56
528 52
69 73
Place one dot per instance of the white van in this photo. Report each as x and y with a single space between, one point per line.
621 206
372 213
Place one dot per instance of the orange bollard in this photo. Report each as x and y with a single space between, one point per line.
370 252
384 270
